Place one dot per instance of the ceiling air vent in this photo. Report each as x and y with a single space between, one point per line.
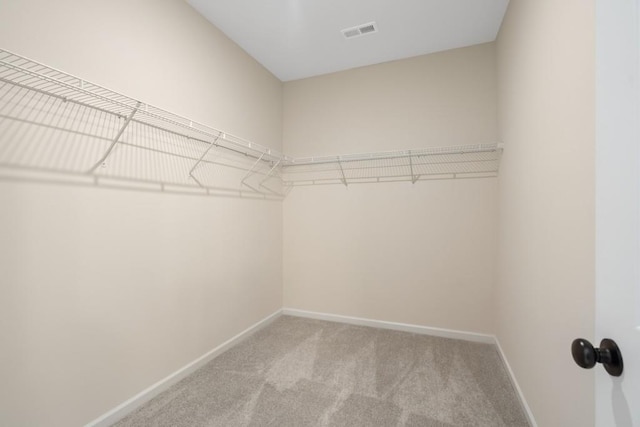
360 30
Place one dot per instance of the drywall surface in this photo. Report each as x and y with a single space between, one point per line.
446 98
546 279
418 253
104 292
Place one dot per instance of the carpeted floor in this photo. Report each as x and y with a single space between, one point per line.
300 372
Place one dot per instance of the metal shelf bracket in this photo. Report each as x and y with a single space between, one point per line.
104 158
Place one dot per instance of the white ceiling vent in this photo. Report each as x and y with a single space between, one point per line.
360 30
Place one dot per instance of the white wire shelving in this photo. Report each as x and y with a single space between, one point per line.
467 161
54 125
53 122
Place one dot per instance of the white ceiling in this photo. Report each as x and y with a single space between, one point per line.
295 39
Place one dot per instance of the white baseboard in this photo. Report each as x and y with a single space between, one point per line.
416 329
523 401
144 396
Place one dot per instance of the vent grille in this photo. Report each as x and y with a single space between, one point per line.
360 30
351 33
368 29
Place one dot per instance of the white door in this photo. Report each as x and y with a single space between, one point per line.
617 207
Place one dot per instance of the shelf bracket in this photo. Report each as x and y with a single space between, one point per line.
251 172
414 178
214 143
269 176
344 178
104 158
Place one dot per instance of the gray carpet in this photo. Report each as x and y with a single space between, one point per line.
301 372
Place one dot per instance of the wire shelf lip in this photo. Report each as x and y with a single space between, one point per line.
11 172
391 179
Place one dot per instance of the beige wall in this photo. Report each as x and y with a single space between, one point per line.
545 287
417 253
105 292
448 98
162 52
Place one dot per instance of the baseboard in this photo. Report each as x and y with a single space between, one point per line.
144 396
516 386
416 329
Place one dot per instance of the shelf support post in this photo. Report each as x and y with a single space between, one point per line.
414 178
214 143
250 172
344 178
269 176
115 140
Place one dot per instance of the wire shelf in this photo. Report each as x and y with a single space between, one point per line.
469 161
51 121
54 123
